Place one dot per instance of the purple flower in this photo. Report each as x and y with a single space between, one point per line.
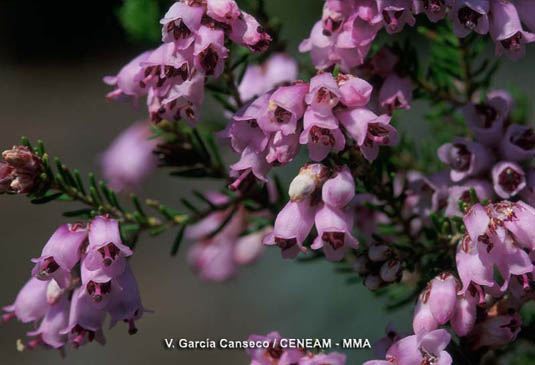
243 131
456 193
85 321
426 194
434 9
125 302
369 130
396 13
249 248
508 179
486 119
506 30
423 320
470 15
384 62
31 303
224 11
518 144
381 346
129 159
60 254
274 353
209 51
396 93
334 228
180 23
526 9
496 330
339 189
213 259
251 162
127 80
424 348
334 15
334 358
246 31
106 251
323 92
465 158
292 226
286 106
282 149
279 69
54 322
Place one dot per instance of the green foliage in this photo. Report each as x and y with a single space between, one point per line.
141 19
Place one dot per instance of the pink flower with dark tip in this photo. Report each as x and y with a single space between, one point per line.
339 190
282 149
324 93
246 31
180 23
209 51
224 11
292 226
496 330
106 250
396 13
369 130
60 254
321 133
354 92
518 144
506 30
85 321
334 226
54 322
508 179
434 9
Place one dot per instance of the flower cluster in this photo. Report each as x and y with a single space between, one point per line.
217 257
379 265
276 354
347 29
81 275
269 130
322 197
173 75
21 170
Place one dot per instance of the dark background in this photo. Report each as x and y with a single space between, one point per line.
53 55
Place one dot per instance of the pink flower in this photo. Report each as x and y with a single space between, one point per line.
54 322
321 133
308 182
508 179
442 297
323 93
339 189
246 31
486 119
354 92
127 80
465 313
434 9
251 162
496 331
369 130
396 93
282 149
60 254
334 228
292 226
518 144
470 15
209 51
526 10
274 353
180 23
225 11
423 320
506 30
465 158
286 106
85 321
130 158
30 304
278 70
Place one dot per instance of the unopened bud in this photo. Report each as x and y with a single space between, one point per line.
373 282
379 253
361 264
390 270
22 170
309 180
53 292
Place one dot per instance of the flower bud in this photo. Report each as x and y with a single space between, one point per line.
373 282
379 253
423 320
361 264
309 180
442 297
390 270
339 190
22 171
465 314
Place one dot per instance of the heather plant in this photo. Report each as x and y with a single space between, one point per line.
443 224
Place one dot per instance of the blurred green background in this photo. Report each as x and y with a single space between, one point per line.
53 56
